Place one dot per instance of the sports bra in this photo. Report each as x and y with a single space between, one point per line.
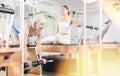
64 27
35 34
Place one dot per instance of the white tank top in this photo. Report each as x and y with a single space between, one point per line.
64 27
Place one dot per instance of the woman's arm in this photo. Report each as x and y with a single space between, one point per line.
26 30
57 29
38 47
75 21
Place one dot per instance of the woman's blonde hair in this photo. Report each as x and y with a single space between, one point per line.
38 18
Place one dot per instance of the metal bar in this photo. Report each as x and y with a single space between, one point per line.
8 30
6 10
22 32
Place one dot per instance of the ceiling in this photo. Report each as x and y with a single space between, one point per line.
73 4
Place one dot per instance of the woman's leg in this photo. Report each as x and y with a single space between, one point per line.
48 40
64 40
14 40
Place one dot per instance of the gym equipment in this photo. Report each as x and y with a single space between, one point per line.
14 46
91 27
107 22
34 64
6 10
2 68
8 56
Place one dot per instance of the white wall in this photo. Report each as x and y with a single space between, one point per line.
112 34
50 27
77 32
92 19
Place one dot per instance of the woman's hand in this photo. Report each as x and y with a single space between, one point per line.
41 59
28 62
44 60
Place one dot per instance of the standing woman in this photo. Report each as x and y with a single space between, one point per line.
63 28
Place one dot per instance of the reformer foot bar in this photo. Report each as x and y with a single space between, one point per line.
34 64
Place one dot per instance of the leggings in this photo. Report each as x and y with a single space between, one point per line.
57 39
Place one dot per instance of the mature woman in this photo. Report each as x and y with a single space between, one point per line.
31 29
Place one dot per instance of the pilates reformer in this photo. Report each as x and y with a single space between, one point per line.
32 48
64 48
6 54
34 64
9 56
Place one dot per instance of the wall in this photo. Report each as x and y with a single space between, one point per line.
93 19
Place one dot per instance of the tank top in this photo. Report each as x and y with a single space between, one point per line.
64 27
36 32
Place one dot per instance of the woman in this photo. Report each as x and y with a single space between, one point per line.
63 28
31 29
